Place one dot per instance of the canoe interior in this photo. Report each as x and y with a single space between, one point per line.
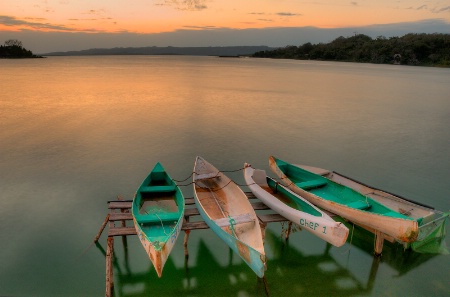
158 205
287 198
422 214
225 204
222 199
332 191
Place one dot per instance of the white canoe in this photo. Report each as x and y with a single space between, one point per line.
294 208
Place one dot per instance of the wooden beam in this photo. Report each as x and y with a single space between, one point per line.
102 228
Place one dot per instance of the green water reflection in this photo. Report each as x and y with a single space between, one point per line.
291 271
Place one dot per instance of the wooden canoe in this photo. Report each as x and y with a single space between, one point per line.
158 211
428 218
226 210
294 208
345 201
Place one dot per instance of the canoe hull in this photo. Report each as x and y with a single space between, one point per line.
431 219
158 212
322 225
401 229
157 252
218 199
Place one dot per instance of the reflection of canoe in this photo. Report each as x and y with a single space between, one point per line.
345 201
226 210
294 208
158 210
430 220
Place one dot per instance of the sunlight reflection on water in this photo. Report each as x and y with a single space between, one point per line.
78 131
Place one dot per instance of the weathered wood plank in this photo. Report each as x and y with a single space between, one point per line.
119 216
189 201
191 212
272 218
119 204
259 206
122 231
194 225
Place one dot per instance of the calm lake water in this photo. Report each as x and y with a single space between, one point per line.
76 132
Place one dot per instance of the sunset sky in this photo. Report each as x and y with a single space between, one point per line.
153 18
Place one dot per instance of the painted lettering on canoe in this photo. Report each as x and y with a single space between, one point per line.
312 225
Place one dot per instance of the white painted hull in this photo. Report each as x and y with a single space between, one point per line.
321 225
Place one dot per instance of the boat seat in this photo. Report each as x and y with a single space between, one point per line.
235 220
395 214
206 175
158 189
359 205
311 184
157 218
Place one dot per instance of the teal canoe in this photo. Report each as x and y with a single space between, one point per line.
226 210
158 211
345 201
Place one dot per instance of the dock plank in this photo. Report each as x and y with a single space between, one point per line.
125 215
121 231
119 204
120 216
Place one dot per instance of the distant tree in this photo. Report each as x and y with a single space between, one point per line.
13 42
411 49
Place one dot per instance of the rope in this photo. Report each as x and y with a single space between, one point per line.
162 225
194 182
232 223
351 238
192 173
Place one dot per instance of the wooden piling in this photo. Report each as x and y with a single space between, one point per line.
379 241
109 267
185 243
288 231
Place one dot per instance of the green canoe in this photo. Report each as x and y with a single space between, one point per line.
345 201
158 210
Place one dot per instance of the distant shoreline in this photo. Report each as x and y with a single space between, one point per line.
221 51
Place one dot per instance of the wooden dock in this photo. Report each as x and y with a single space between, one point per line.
120 223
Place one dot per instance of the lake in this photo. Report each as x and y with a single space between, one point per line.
79 131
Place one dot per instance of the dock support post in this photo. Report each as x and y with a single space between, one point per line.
186 238
263 230
109 267
101 229
288 232
379 240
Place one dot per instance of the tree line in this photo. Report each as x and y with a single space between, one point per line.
411 49
13 49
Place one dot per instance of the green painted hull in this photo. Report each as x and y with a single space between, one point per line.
345 201
158 210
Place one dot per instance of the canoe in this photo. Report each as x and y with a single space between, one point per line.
345 201
294 208
158 211
431 221
226 210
